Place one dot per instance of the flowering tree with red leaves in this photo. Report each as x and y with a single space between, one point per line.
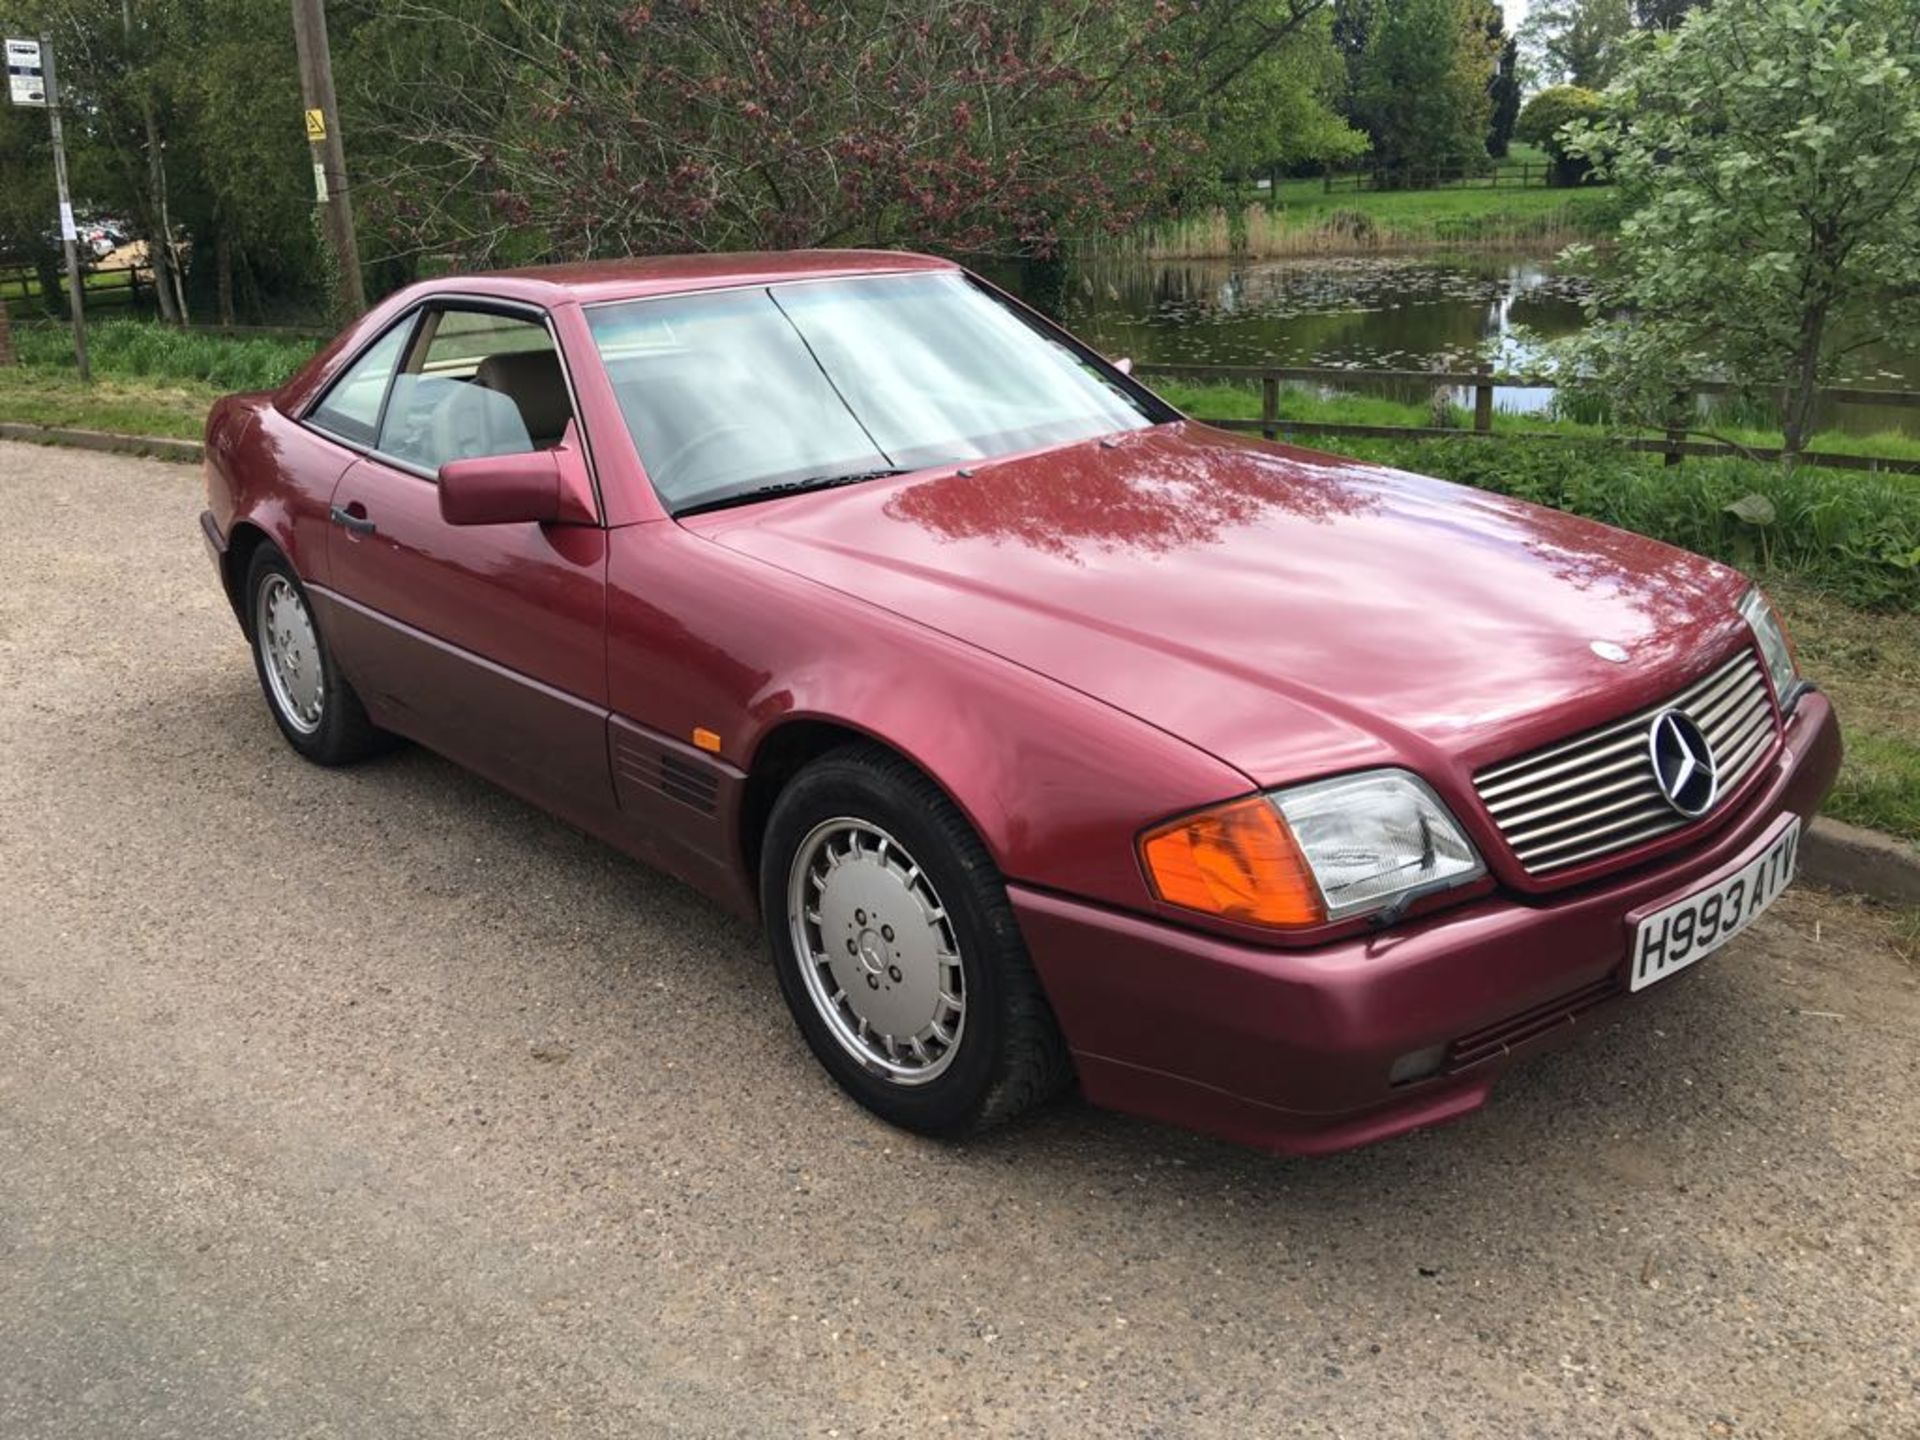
575 129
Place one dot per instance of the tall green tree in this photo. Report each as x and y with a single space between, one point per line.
1283 113
1579 42
1663 14
1423 84
1503 90
1768 158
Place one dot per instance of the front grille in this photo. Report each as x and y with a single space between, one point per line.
1580 799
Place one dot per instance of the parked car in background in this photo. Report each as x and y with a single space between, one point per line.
1052 735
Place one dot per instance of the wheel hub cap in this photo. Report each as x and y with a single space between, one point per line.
290 647
877 951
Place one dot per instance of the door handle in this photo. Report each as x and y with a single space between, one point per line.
358 524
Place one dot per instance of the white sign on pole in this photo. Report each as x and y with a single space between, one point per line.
26 74
68 230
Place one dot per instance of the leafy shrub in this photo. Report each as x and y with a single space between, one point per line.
1544 118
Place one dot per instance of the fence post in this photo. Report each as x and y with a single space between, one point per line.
1676 430
6 336
1483 403
1270 406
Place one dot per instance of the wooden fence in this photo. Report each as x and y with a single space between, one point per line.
1674 444
21 283
1439 177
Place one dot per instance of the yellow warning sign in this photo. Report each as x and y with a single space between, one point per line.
316 125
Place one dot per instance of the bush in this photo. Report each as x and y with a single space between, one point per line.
1547 114
1852 535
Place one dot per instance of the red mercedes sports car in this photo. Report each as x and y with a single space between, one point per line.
1053 735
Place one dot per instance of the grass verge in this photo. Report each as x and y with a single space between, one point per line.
1870 665
175 408
148 379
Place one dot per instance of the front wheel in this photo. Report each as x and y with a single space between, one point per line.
314 706
897 950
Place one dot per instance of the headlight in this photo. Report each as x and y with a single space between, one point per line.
1313 853
1776 649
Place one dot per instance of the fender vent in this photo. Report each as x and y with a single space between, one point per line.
689 783
1516 1030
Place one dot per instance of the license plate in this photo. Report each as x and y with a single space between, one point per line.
1673 938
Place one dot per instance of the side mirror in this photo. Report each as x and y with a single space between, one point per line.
1124 364
542 487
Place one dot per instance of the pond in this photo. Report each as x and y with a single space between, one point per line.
1367 313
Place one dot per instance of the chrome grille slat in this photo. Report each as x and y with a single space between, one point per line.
1756 713
1613 844
1628 744
1503 809
1595 794
1629 777
1529 837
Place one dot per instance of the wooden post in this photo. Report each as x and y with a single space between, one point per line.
329 154
1270 406
1483 404
69 238
6 337
1676 431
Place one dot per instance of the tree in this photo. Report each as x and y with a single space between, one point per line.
1663 14
1579 42
577 128
1545 120
1281 114
1423 92
1503 90
1767 155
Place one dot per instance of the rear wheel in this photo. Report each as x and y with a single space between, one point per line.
310 699
897 950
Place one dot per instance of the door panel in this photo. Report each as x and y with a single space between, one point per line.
486 642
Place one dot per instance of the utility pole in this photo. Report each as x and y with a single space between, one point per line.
31 82
329 155
69 235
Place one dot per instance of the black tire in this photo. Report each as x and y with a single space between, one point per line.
1010 1054
344 734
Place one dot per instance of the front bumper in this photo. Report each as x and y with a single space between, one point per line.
1290 1050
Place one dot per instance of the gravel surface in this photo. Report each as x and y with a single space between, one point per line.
375 1103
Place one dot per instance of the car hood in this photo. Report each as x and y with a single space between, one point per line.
1289 612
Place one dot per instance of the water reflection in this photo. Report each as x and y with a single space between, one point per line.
1366 313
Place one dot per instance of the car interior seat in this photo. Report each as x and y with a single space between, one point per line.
533 381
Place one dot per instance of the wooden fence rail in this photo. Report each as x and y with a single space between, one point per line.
1484 383
23 284
1429 177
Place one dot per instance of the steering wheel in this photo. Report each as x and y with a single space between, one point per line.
669 470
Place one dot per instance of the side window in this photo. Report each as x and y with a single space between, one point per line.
476 383
351 407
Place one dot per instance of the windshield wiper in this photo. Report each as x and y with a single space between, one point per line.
790 487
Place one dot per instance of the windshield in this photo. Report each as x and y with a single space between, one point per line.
732 393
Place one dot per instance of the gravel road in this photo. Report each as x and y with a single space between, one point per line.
375 1103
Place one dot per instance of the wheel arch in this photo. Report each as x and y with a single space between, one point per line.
242 541
793 743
